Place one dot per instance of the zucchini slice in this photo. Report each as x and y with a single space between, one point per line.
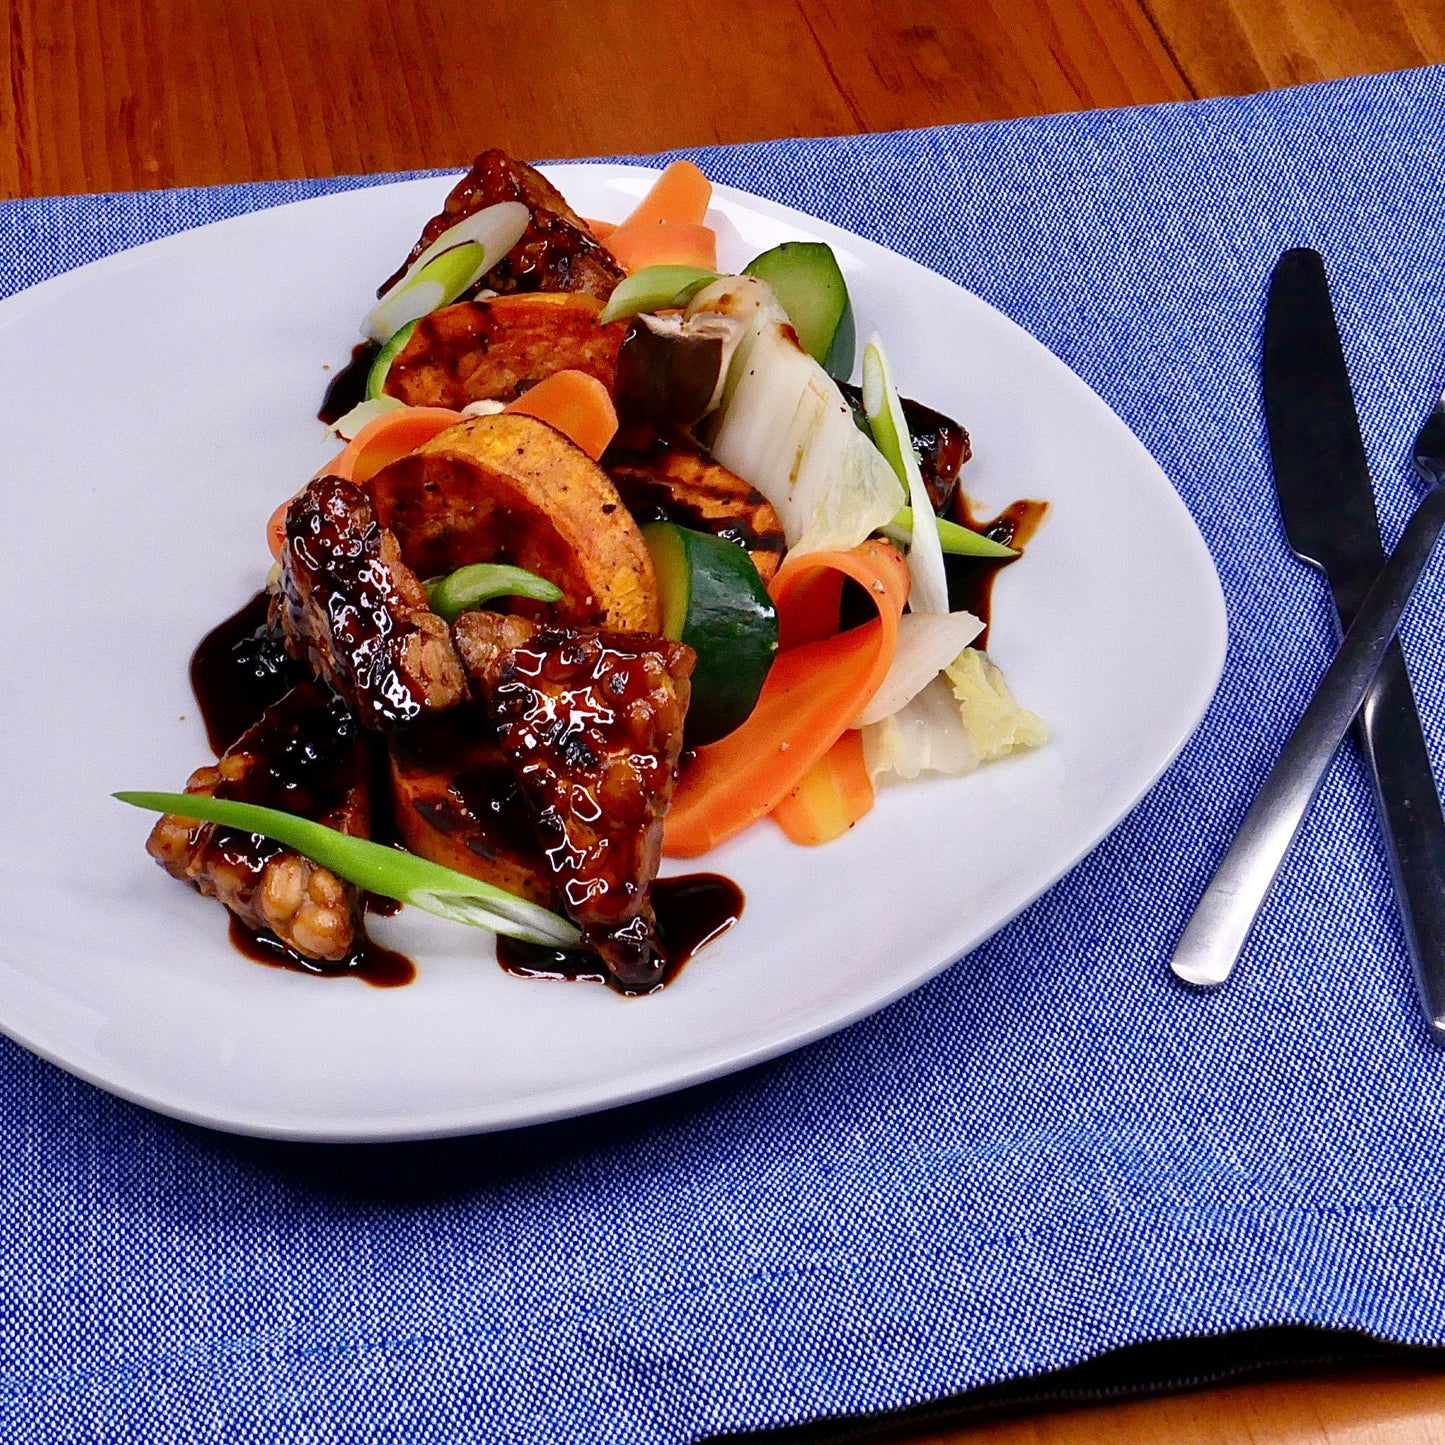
809 285
714 600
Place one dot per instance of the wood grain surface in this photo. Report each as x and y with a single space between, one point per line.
1381 1407
134 94
123 94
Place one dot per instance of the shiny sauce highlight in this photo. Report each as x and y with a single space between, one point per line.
692 911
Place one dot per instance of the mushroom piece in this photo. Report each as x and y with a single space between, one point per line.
670 371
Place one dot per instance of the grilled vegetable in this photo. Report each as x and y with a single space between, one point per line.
666 478
484 350
713 600
670 372
510 488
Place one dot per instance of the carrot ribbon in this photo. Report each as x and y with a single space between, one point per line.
819 683
667 227
830 797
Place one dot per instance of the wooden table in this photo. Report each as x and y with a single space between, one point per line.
128 94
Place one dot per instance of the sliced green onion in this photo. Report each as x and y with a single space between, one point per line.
457 259
479 583
375 867
654 288
956 540
376 377
929 592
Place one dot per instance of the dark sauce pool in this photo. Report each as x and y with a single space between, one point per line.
237 672
971 579
371 963
348 386
691 912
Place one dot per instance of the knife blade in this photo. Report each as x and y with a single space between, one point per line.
1322 483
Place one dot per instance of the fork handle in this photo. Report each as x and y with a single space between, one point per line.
1211 943
1389 727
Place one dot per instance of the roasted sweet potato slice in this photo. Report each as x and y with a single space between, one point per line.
457 800
669 479
494 350
509 488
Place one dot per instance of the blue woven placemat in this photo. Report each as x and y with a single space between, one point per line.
1048 1151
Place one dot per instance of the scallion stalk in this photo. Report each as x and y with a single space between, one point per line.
654 288
471 586
955 540
391 872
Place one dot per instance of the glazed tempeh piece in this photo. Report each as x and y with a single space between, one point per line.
457 800
556 253
495 350
357 613
306 755
591 723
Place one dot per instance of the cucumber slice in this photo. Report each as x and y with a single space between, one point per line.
809 285
376 377
714 600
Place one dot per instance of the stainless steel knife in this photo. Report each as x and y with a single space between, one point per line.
1328 507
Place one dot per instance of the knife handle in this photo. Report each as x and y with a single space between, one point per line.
1389 728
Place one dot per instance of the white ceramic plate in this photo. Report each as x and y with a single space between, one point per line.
159 403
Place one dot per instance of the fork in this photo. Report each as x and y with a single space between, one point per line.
1214 936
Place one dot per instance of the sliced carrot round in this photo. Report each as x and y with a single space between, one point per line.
392 435
577 404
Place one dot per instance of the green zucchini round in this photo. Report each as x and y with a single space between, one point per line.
714 600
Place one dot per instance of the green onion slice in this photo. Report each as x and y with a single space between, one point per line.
479 583
956 540
884 408
363 414
391 872
654 288
457 259
376 377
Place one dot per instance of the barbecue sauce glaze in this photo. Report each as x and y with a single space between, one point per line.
348 386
